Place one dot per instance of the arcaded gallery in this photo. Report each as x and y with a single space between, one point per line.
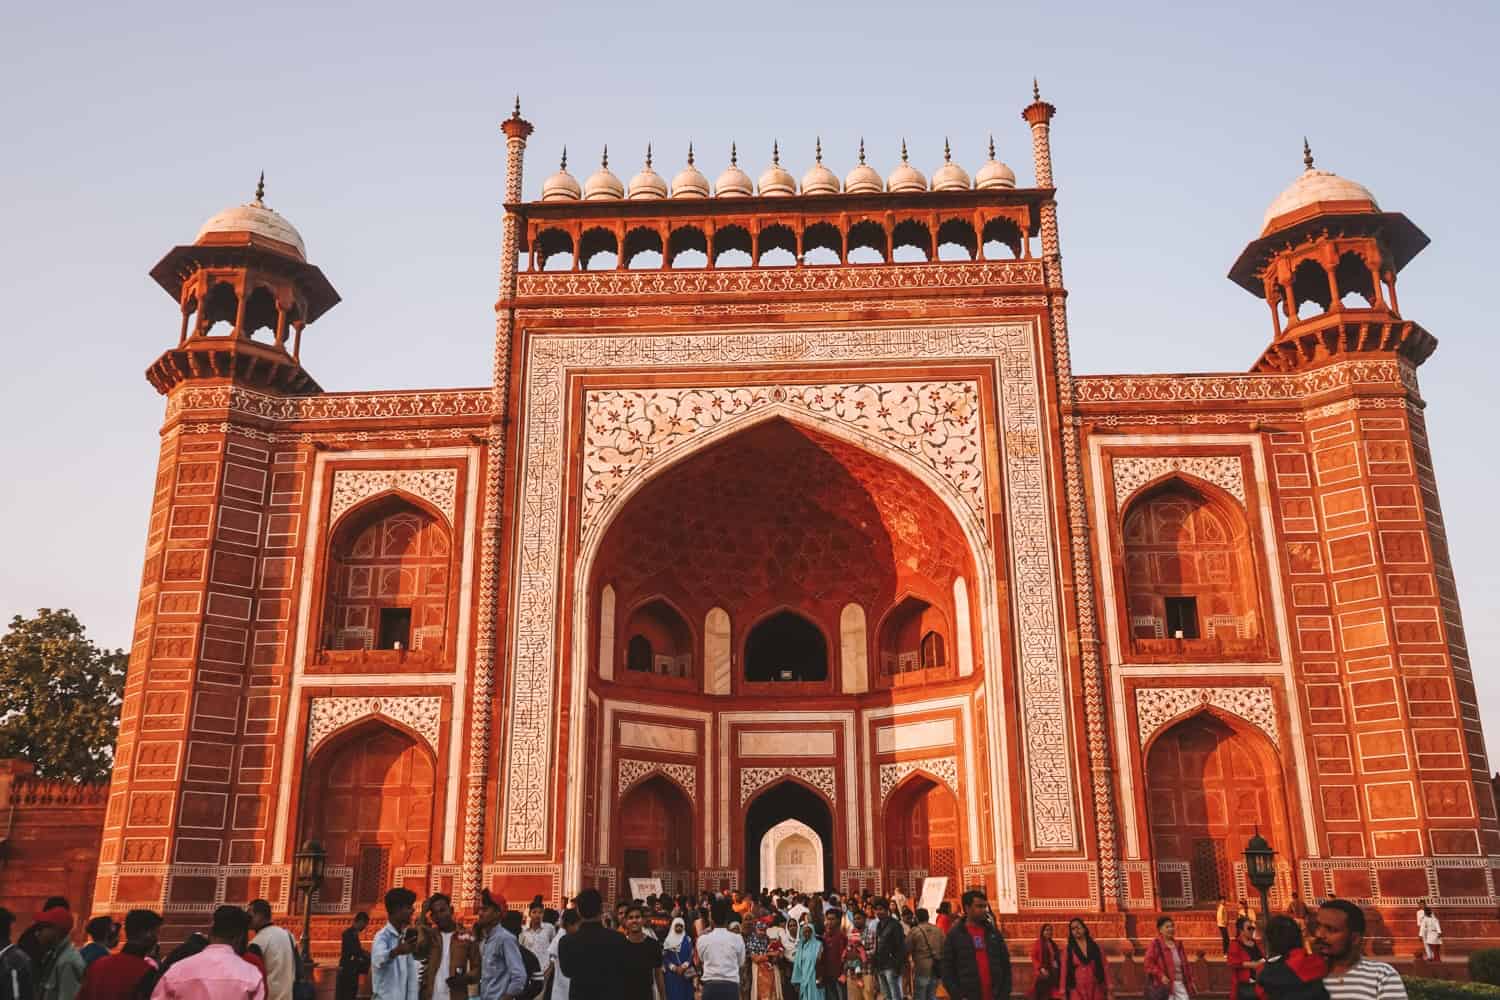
783 546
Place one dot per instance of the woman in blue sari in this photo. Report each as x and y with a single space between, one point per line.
805 965
677 961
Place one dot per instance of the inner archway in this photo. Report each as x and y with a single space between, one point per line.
656 832
791 857
369 799
1210 787
921 832
789 800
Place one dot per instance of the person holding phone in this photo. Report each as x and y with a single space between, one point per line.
393 970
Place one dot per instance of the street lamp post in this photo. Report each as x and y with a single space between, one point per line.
309 873
1260 870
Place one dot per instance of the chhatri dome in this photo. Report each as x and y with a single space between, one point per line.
950 176
734 182
776 182
648 184
602 184
863 179
561 186
1315 187
689 182
994 174
905 177
255 219
819 180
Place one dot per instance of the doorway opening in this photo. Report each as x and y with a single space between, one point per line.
789 800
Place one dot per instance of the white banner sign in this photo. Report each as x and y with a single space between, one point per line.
932 894
640 888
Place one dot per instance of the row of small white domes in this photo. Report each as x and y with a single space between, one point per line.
603 185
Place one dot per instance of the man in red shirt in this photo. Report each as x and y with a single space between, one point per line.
831 958
976 961
119 976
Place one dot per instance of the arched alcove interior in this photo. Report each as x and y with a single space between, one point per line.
368 797
922 829
658 641
1211 784
656 829
387 578
786 646
791 857
785 800
1190 568
913 638
780 527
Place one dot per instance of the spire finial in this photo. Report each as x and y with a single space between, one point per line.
690 152
260 188
1036 90
903 150
992 146
947 152
861 150
564 167
1307 159
734 156
818 150
516 112
648 156
604 161
775 153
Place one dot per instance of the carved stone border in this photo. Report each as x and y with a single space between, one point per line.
326 716
1155 708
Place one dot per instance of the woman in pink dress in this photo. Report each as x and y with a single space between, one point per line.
1083 973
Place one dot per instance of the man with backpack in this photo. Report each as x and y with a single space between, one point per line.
924 945
16 979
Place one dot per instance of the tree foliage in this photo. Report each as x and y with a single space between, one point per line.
59 697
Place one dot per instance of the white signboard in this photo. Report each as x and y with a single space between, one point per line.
932 894
640 888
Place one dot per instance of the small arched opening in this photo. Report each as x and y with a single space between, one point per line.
687 248
598 249
554 250
732 246
1310 291
867 242
913 639
956 240
786 647
656 831
369 798
911 242
1356 284
658 641
260 314
220 305
1002 239
777 246
643 249
822 243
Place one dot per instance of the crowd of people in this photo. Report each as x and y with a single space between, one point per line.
770 945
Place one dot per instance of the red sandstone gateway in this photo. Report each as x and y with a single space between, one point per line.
786 549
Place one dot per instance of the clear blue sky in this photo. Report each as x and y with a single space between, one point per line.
126 125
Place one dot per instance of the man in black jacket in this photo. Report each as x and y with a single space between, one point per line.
593 957
890 950
976 961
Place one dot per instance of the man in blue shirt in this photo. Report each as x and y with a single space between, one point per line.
393 971
502 974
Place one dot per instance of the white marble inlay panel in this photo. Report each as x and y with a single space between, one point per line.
652 736
758 743
915 736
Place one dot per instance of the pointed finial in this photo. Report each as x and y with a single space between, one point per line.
775 153
604 162
818 150
260 188
947 152
992 147
1036 90
1307 159
516 113
648 156
903 150
690 153
861 150
564 166
734 156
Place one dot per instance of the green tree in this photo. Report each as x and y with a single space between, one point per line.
59 697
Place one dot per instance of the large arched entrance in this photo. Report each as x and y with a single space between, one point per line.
369 798
791 857
788 800
656 832
1210 786
921 833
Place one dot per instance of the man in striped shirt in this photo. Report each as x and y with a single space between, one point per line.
1340 940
